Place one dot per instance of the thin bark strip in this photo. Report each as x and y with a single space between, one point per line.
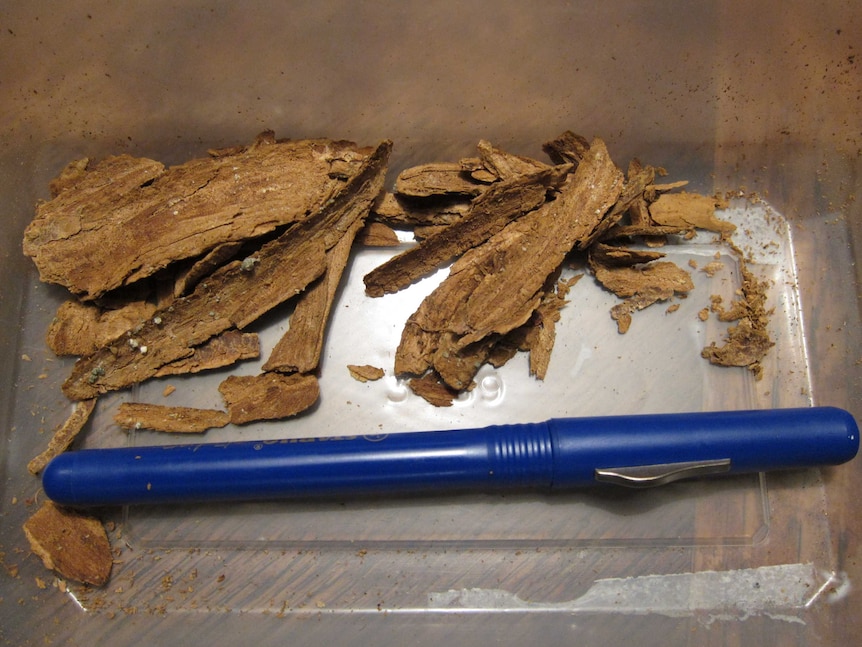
227 348
300 347
436 179
64 436
489 213
176 420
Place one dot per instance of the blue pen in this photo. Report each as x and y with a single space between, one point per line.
634 451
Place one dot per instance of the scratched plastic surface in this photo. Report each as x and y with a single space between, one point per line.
752 559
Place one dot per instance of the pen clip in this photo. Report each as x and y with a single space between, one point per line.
644 476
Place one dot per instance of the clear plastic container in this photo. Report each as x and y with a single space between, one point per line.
758 99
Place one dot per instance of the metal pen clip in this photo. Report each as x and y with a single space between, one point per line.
644 476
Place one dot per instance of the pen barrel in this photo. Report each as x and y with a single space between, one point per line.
753 441
558 454
505 456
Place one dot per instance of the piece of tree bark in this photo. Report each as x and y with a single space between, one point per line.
689 210
543 332
640 286
503 165
82 328
567 148
71 543
433 390
300 347
489 213
268 396
227 348
626 281
613 256
637 179
64 436
178 420
365 372
125 219
399 211
377 234
187 279
436 179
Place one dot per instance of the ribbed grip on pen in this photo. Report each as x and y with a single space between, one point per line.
522 455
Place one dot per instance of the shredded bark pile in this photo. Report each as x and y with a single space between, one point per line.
234 235
510 222
198 252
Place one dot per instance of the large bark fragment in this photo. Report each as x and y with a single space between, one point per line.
236 294
215 306
268 396
126 218
489 213
496 287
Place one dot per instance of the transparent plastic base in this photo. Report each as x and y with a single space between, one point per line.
473 550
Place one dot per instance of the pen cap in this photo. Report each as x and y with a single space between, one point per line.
753 441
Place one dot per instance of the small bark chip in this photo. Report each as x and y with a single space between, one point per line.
365 372
268 396
73 544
